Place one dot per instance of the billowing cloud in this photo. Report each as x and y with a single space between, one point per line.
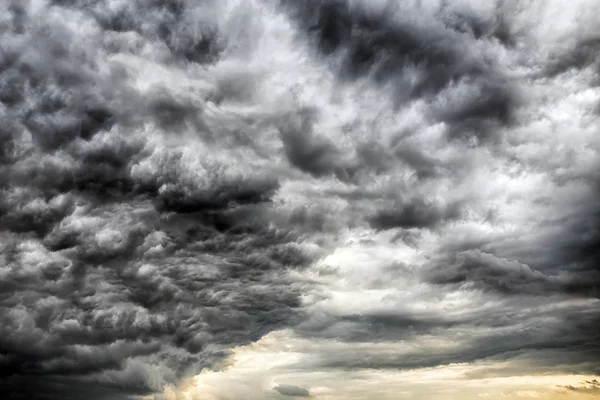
387 189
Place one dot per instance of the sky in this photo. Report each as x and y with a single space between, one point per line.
292 199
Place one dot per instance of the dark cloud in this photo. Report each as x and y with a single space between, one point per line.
313 153
115 291
524 334
64 387
414 214
170 22
126 264
424 165
373 43
389 46
59 125
582 55
160 191
291 390
173 113
491 27
592 386
375 327
486 106
563 257
490 272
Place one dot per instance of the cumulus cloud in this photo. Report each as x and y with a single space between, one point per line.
394 186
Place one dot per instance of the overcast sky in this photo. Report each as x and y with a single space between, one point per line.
289 199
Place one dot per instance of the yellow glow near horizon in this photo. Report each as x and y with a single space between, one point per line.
281 358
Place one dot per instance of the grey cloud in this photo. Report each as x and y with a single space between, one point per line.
174 113
492 27
583 55
487 106
554 263
414 214
312 153
565 247
592 386
176 290
490 272
424 165
145 228
543 338
171 22
291 390
368 37
221 191
372 327
125 265
61 387
535 317
385 44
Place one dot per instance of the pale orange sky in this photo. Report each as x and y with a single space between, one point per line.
281 358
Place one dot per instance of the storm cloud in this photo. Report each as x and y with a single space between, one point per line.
354 187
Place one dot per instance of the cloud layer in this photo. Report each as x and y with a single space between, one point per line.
385 187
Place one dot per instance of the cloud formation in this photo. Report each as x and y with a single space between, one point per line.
383 187
291 390
592 386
